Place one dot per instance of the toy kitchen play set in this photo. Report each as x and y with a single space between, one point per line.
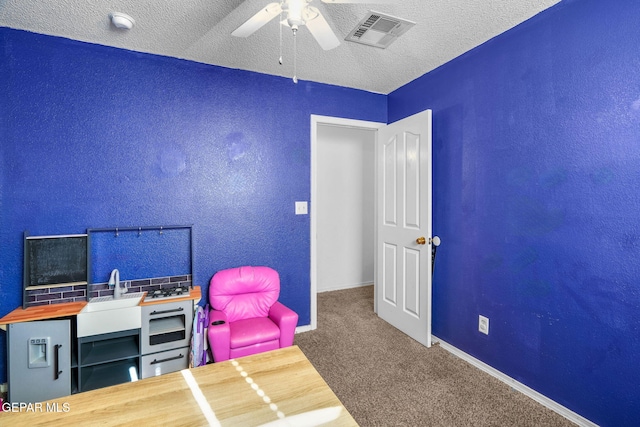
73 334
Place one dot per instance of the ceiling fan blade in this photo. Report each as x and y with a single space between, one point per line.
359 1
258 20
321 31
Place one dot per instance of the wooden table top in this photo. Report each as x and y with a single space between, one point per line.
275 388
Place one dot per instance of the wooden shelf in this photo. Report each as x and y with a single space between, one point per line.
57 285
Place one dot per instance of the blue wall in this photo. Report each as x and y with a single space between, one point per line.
536 165
100 137
536 172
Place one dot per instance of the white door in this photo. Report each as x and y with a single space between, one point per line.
403 226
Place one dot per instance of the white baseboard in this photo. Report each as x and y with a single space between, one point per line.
303 328
540 398
342 287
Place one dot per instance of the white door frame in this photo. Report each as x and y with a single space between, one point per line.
315 121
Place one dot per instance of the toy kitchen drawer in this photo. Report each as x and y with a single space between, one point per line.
165 362
166 328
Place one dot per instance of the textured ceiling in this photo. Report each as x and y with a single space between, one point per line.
200 30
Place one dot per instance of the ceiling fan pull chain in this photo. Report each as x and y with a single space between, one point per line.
280 58
295 55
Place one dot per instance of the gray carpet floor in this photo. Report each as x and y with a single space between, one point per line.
385 378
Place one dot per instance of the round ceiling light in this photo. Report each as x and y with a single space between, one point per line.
121 20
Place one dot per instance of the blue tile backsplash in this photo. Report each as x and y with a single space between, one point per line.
76 293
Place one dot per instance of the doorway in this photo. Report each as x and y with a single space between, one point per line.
342 204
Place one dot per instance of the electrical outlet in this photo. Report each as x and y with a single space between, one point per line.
301 208
483 324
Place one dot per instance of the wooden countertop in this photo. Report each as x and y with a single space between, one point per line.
42 312
52 311
249 391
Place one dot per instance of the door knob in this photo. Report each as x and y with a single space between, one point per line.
435 241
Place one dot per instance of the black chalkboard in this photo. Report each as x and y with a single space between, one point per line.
52 260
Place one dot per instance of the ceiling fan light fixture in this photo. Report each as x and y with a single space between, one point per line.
294 14
294 10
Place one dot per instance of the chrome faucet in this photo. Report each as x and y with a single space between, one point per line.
114 280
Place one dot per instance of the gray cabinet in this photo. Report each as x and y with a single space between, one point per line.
47 359
39 360
108 359
166 335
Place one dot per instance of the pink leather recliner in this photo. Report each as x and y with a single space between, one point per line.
246 317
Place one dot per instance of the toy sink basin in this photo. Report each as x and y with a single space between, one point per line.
104 315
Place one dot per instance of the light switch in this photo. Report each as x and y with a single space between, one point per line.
301 208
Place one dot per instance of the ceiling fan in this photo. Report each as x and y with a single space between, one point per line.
294 14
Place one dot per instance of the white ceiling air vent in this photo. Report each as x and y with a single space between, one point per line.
379 30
